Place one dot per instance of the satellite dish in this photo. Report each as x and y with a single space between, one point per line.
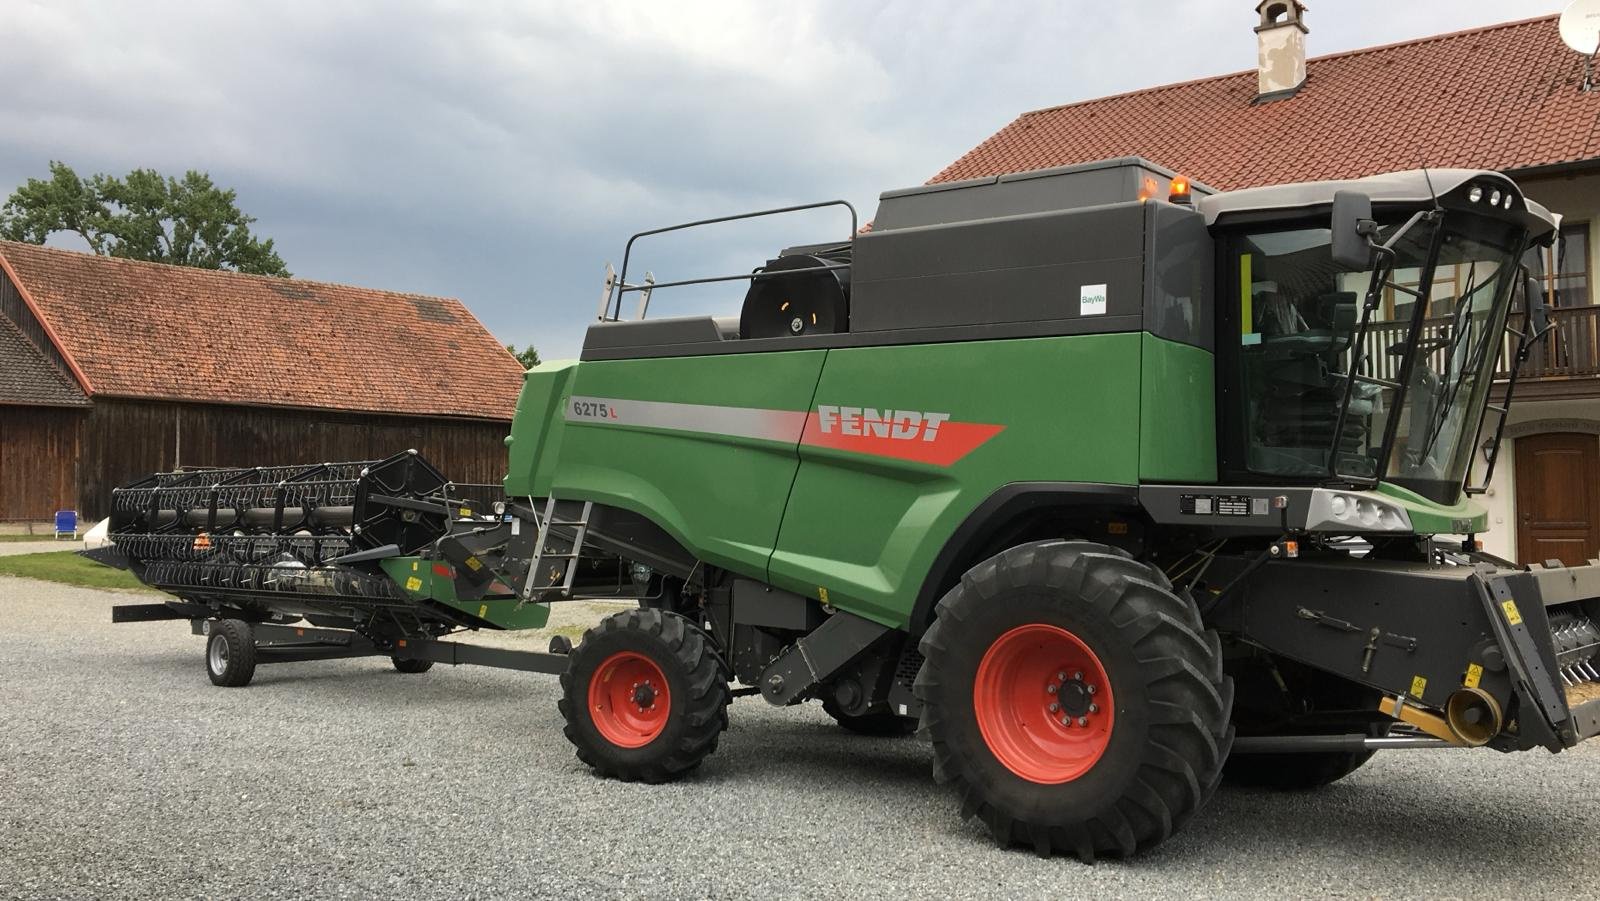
1580 26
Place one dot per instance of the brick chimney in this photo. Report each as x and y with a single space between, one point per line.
1280 49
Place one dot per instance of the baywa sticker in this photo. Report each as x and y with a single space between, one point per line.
1092 300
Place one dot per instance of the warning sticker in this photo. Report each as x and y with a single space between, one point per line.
1419 684
1474 675
1513 615
413 584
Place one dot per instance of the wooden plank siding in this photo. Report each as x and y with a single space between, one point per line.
125 439
38 461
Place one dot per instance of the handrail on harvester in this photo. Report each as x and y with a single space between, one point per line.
616 286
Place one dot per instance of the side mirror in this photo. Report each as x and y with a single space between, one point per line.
1352 226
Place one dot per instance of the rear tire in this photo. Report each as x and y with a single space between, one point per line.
411 665
1123 774
1279 697
1293 772
879 724
231 653
645 696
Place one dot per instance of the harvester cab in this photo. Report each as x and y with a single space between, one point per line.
1114 484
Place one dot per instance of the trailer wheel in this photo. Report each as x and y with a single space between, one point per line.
230 653
411 665
645 696
1074 700
881 724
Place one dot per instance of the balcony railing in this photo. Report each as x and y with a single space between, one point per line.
1572 348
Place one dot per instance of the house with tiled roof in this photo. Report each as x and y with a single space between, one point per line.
111 369
1509 97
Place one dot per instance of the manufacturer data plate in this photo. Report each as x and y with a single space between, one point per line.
1223 505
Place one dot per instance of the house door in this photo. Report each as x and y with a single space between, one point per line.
1558 498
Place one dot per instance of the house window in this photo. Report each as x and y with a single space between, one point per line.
1567 269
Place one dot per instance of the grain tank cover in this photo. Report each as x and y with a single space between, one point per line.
1121 180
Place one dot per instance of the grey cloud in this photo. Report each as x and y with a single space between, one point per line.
502 153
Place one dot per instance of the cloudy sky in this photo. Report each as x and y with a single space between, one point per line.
503 152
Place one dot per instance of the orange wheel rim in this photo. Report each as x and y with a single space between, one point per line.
629 700
1043 703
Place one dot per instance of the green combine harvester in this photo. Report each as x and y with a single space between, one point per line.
1114 485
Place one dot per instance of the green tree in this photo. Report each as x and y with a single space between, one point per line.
145 216
528 356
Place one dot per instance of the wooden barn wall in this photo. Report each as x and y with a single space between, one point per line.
38 462
125 439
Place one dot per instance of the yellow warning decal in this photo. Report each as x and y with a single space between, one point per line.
413 584
414 565
1513 615
474 564
1419 684
466 511
822 594
1474 675
483 610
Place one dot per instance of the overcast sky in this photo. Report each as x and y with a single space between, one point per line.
503 152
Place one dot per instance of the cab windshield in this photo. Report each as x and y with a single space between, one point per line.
1437 328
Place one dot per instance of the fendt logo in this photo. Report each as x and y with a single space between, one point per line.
900 425
922 437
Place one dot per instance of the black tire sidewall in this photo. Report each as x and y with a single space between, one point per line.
1108 779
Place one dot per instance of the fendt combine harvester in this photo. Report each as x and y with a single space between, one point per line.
1113 485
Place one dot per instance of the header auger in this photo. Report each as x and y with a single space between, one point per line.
1114 485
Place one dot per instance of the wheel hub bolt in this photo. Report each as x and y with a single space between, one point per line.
1094 708
1066 721
1077 677
1052 688
1089 688
1054 707
1083 721
1061 676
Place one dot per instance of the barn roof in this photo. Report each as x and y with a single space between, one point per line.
1503 97
31 378
149 330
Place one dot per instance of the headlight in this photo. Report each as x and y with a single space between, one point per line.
1507 204
1351 511
1475 194
1494 197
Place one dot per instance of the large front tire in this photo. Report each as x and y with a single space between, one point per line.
1076 631
645 696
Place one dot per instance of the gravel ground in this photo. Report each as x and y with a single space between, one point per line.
124 773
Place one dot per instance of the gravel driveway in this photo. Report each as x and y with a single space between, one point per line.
124 773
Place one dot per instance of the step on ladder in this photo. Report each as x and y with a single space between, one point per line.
545 525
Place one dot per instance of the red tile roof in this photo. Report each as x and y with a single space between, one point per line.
31 378
148 330
1503 97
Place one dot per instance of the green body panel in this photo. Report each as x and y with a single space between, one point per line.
1464 517
742 481
534 444
417 578
1177 413
866 529
720 495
